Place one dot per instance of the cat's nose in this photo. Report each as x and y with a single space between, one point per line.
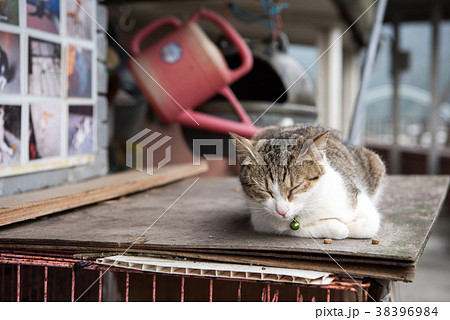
281 211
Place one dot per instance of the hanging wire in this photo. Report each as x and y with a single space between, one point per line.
270 18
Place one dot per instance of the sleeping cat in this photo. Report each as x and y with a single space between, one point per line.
307 174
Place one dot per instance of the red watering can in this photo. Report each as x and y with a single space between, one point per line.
184 69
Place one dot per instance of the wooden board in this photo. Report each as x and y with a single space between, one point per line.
43 202
212 219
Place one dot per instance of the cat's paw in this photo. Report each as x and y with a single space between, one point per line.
329 228
336 229
362 230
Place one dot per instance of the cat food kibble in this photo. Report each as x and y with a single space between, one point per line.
375 241
327 241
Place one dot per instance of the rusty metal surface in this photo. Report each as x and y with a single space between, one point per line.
268 293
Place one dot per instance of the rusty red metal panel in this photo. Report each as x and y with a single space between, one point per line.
211 290
239 292
100 285
72 292
275 296
18 283
182 289
339 285
16 259
154 288
127 286
265 295
45 283
357 296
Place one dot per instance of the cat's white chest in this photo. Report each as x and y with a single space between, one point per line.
327 199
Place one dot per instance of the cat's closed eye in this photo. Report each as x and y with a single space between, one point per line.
314 178
292 190
263 194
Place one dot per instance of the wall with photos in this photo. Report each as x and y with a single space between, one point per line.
52 83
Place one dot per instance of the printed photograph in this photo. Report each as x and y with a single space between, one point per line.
9 11
79 72
43 15
45 130
44 68
81 130
9 135
9 63
79 24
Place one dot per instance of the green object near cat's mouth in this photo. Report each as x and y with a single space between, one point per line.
295 225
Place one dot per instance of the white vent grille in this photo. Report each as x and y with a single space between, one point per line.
222 270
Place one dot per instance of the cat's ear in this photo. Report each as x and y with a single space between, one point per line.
316 146
244 148
321 140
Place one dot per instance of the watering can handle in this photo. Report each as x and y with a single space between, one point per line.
143 33
234 37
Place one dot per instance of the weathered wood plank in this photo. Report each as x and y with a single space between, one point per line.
43 202
213 218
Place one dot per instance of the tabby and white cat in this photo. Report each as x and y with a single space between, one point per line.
309 174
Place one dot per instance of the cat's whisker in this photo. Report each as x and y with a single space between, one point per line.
263 208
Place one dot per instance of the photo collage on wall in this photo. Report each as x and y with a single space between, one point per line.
9 63
9 11
46 82
10 135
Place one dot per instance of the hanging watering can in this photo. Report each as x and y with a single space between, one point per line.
184 69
